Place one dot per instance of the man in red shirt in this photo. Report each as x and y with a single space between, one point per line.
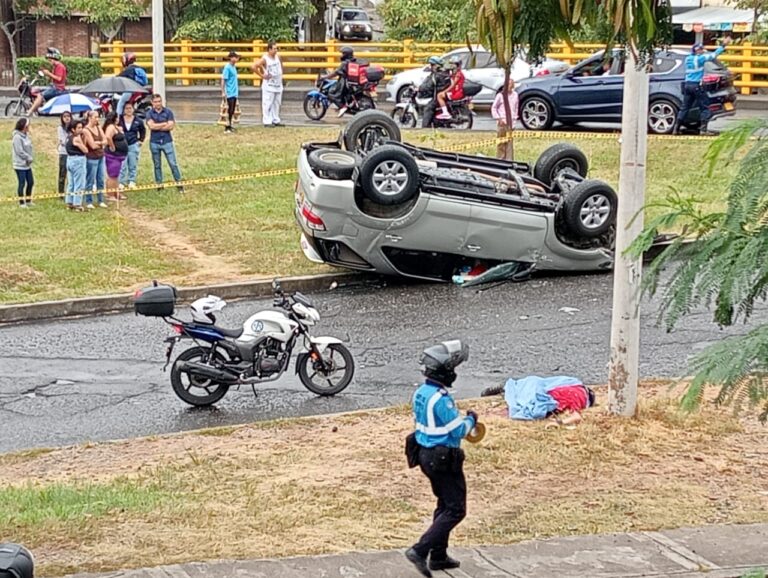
58 76
454 92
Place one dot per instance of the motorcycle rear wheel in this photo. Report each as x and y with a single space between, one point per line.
464 120
321 382
213 391
17 107
314 108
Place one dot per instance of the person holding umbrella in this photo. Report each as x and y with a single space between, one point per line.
58 78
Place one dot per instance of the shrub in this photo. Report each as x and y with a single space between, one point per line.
427 20
79 70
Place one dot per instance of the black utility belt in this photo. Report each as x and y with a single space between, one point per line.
442 458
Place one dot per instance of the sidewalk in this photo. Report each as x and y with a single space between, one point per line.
707 552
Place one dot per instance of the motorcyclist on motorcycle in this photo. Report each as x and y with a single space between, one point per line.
58 76
437 81
339 93
134 72
454 92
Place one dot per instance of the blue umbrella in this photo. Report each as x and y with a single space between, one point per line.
70 102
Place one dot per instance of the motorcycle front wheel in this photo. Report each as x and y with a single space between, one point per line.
403 118
195 389
314 108
17 107
330 375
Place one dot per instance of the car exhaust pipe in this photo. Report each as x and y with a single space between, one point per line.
212 373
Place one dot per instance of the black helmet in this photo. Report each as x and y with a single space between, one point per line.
441 360
347 53
16 562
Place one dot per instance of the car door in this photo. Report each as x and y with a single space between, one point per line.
483 69
505 233
441 227
584 94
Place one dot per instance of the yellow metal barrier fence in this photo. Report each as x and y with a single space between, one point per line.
194 63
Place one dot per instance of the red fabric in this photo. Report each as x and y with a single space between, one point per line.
570 397
458 90
60 70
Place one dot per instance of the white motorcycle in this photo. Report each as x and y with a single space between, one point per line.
258 352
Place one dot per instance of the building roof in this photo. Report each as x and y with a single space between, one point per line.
713 16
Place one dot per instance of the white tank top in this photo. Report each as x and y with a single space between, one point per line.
275 71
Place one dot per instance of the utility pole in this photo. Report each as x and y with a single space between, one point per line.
623 372
158 48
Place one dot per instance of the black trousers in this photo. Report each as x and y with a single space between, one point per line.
694 96
62 174
450 489
231 106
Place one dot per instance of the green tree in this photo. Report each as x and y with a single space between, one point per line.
758 7
238 20
427 20
109 16
721 262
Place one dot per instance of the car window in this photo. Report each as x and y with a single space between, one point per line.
482 60
465 58
661 64
354 16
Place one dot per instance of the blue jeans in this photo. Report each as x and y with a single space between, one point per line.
25 178
94 175
76 169
170 154
131 165
124 98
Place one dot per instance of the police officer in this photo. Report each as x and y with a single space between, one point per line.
439 431
693 92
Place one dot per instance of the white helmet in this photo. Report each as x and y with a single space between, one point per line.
204 308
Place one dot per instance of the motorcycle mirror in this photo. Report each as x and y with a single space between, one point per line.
276 286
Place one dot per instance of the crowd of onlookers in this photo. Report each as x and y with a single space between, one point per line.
98 159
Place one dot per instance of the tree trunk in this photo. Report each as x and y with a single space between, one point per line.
317 25
625 323
9 36
506 150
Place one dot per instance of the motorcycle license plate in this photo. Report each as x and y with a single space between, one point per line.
728 106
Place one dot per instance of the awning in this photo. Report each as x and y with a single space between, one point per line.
715 18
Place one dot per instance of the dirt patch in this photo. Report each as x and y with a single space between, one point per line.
339 483
207 268
19 274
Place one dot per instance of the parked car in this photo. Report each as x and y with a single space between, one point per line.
589 93
479 66
381 205
352 23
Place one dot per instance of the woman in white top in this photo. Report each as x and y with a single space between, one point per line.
270 70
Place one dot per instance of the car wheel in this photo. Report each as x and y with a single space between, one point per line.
536 113
556 159
389 176
589 209
332 163
369 129
661 116
405 92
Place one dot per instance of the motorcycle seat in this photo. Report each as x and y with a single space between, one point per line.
233 333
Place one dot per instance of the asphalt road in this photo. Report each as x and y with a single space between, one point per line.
101 378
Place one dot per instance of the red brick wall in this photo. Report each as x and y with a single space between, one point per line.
69 36
138 32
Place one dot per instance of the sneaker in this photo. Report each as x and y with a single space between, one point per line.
89 206
269 126
444 116
446 563
343 110
419 562
180 187
22 205
103 205
131 185
277 124
121 187
30 204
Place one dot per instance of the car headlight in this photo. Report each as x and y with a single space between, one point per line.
346 28
367 27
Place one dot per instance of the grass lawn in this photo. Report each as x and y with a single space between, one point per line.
339 483
215 233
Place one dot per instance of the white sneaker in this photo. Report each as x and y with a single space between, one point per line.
131 185
103 205
121 187
90 207
343 111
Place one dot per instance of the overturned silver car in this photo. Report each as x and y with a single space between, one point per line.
373 203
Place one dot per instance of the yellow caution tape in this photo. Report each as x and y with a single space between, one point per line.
526 134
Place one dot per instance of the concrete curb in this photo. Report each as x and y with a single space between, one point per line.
86 306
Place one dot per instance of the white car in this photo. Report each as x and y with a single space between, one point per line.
479 66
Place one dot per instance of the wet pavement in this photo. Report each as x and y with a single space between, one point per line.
101 378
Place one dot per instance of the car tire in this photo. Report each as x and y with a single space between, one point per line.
662 114
402 91
589 209
557 158
389 176
536 113
369 129
333 164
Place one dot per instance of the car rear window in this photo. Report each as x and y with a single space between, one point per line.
661 65
354 15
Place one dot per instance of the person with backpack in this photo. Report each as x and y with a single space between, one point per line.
437 81
339 93
134 72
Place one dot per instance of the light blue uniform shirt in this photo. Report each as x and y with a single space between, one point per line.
438 421
231 88
694 64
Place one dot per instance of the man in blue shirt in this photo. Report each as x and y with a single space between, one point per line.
693 92
161 123
230 89
439 431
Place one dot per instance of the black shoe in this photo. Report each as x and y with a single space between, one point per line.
447 564
418 561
